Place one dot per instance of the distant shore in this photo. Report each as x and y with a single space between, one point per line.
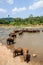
21 26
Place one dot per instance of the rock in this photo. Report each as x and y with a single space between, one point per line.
34 55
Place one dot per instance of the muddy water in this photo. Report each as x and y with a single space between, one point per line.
32 41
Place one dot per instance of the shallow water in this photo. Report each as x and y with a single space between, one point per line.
32 41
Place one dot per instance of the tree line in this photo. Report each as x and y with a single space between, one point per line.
20 21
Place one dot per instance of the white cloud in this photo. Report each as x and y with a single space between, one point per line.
18 9
3 10
36 5
10 1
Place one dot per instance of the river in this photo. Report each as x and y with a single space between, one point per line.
32 41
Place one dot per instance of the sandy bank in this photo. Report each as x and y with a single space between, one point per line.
26 26
6 58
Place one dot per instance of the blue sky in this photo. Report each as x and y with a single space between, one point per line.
21 8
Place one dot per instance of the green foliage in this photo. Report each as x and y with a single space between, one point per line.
19 21
2 21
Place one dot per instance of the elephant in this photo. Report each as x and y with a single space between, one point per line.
33 31
27 57
38 30
25 54
18 51
16 31
10 41
25 30
12 34
21 32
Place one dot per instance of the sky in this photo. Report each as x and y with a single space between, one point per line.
21 8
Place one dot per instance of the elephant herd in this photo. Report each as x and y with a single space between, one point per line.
18 51
13 35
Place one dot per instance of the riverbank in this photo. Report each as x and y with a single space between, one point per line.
6 58
21 26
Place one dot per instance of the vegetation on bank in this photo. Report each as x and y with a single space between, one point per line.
20 21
